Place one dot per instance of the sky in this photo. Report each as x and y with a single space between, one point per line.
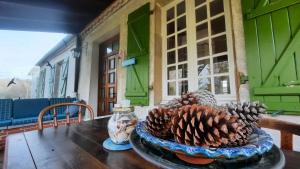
20 51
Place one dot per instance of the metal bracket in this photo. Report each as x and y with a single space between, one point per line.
243 78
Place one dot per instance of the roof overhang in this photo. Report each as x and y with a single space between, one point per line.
65 16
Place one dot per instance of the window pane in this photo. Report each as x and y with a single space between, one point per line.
111 92
171 42
112 78
182 71
221 64
111 106
182 54
170 14
171 88
172 73
102 93
218 25
181 39
204 67
202 49
201 14
116 45
181 8
222 85
170 28
171 57
181 23
199 2
109 50
204 84
183 86
219 44
202 31
112 64
216 7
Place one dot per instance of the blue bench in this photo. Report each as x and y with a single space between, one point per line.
61 111
25 111
6 106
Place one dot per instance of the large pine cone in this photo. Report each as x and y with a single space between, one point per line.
201 97
248 116
204 126
158 122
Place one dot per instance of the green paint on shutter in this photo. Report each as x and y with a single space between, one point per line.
41 87
137 82
272 35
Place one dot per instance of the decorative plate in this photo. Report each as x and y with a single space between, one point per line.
259 143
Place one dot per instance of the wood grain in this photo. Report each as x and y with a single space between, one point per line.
70 147
287 129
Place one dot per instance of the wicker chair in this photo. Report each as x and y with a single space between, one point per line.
286 129
67 105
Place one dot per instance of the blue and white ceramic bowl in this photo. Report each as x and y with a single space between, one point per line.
259 143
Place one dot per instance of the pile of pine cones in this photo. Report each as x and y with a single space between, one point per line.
195 119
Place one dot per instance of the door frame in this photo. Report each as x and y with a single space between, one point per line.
102 59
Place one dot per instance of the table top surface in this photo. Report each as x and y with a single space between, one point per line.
77 147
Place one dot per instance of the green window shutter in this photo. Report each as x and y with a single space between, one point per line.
64 78
272 36
137 82
41 86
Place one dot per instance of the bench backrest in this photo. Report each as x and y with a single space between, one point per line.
61 109
24 108
6 106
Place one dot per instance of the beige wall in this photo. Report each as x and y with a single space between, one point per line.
239 47
60 56
117 24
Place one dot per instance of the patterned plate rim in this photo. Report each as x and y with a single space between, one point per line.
261 145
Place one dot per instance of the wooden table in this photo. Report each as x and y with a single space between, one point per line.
78 147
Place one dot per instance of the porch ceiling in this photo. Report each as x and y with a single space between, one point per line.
67 16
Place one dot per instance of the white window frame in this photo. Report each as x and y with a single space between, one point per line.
192 50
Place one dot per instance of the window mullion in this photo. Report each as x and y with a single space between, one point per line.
210 46
192 47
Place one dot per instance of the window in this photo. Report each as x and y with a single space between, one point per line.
197 50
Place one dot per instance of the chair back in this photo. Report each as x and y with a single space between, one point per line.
54 113
287 129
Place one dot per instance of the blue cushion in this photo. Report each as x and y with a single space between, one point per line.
24 120
47 117
61 110
26 108
6 106
73 110
4 123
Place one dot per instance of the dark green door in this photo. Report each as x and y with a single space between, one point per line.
272 35
137 82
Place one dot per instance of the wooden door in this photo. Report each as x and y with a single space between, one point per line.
108 76
272 35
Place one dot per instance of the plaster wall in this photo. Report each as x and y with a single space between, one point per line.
66 53
117 24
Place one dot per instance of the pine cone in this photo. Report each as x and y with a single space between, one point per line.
202 97
204 126
248 116
158 122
